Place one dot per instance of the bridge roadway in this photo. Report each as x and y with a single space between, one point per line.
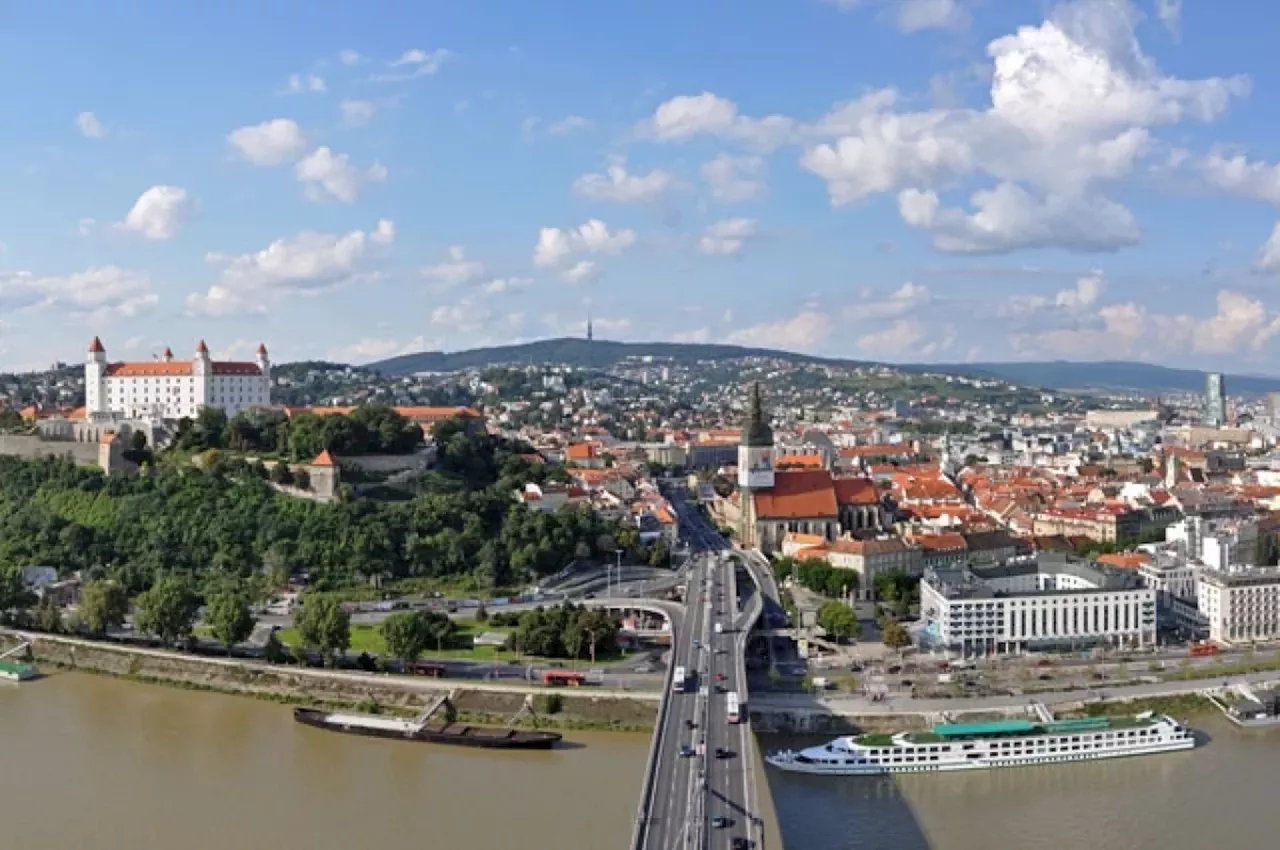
685 795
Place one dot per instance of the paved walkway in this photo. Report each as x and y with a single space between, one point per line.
856 705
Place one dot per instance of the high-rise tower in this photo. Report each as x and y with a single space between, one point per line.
1215 399
755 463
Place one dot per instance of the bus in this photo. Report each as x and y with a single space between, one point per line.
556 678
731 704
678 680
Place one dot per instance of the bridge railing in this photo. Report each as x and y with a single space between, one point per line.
640 834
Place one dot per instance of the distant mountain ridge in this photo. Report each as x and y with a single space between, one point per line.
1056 374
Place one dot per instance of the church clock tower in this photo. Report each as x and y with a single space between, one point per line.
755 464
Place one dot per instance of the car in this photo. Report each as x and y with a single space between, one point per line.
906 683
689 724
721 822
1044 662
722 753
894 670
686 751
697 644
721 689
1044 677
740 843
719 677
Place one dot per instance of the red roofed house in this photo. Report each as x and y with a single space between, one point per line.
173 389
799 500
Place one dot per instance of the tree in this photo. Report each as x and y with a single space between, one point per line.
407 634
301 479
273 650
323 624
839 620
103 605
441 627
168 610
229 617
896 637
49 615
482 613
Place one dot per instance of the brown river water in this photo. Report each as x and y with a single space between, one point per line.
95 762
89 761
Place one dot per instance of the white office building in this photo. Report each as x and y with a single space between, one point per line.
1049 601
173 389
1241 606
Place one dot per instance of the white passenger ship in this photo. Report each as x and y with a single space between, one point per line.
1009 743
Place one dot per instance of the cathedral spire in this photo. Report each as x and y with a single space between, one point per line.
756 430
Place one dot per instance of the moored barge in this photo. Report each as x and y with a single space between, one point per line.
402 729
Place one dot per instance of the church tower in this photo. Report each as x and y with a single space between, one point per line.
95 379
755 464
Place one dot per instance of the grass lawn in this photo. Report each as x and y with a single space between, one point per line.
369 639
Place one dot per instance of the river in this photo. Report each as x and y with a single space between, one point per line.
90 761
1220 794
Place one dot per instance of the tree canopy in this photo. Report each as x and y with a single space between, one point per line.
368 429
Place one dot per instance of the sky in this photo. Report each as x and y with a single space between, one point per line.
898 180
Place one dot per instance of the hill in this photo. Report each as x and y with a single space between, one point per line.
599 354
574 351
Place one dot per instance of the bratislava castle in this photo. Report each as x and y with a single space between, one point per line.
173 389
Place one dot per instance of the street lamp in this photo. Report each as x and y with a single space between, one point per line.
617 552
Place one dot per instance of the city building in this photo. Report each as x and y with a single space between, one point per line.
756 474
1215 399
172 389
1048 601
1242 606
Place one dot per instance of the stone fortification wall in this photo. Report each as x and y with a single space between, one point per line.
390 463
32 447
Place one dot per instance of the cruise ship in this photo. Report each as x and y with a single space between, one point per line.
1008 743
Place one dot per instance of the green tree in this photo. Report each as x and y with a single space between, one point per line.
839 620
168 609
896 637
323 624
49 615
229 617
273 651
407 635
103 605
441 627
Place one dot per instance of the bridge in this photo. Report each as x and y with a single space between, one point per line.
700 785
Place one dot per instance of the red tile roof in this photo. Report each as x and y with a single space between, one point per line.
177 369
798 493
801 462
95 347
323 459
856 491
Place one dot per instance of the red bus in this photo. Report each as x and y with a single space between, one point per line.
1204 649
562 677
429 668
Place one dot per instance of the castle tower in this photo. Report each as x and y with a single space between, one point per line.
95 379
264 362
168 355
755 464
202 375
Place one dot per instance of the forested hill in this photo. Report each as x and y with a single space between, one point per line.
600 354
572 351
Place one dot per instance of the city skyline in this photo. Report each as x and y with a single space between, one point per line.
930 180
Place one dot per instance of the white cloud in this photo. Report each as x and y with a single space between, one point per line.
1236 175
583 271
456 271
158 212
594 237
1170 14
1269 254
350 58
569 124
326 174
301 83
463 317
804 331
914 15
905 337
618 186
734 179
905 299
1080 298
384 233
97 294
412 64
507 285
373 348
305 264
85 226
270 143
727 238
1009 218
90 127
686 116
702 334
356 113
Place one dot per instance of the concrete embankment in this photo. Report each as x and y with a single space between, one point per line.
476 701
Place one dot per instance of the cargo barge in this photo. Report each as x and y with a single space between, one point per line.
402 729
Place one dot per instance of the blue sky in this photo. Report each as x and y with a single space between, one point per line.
905 180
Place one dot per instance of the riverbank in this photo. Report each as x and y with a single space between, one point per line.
477 702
